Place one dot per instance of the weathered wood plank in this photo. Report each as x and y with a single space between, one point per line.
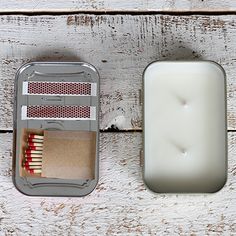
116 5
120 47
120 204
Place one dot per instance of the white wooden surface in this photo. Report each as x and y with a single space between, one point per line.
121 204
116 5
120 46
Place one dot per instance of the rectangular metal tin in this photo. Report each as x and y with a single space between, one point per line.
158 185
56 72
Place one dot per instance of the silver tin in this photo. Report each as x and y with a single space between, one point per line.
54 72
155 174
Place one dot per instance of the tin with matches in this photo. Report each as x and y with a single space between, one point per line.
56 129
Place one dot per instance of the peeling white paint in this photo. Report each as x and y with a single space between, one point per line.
118 122
117 5
120 204
120 47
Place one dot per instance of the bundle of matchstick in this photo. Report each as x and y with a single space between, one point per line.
32 162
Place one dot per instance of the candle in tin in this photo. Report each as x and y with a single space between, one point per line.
185 148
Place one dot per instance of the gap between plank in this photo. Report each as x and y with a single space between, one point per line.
118 12
110 131
101 131
114 12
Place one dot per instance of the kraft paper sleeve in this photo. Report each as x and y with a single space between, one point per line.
69 154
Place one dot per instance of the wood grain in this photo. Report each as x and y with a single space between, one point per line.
120 47
121 204
116 5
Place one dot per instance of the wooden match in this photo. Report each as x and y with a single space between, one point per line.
33 144
32 159
33 155
34 140
29 151
35 136
35 148
32 163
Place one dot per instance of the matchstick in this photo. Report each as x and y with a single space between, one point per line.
35 136
34 140
29 159
35 148
33 155
34 171
32 163
29 151
32 144
32 167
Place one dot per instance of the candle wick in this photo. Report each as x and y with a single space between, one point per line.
182 101
183 151
180 148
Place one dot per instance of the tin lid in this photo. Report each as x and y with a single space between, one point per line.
59 101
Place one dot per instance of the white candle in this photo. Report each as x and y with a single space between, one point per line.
185 141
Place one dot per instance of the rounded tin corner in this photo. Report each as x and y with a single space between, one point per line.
219 66
221 185
148 185
92 67
19 188
146 68
91 188
23 68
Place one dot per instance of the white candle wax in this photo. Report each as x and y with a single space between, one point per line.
185 141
